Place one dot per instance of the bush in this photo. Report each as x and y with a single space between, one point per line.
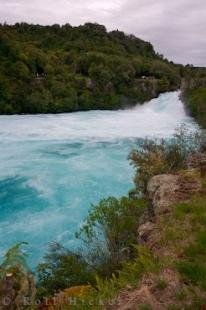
196 102
155 157
61 269
110 232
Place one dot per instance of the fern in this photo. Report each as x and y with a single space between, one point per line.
14 259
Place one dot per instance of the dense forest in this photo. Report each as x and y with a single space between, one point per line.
63 68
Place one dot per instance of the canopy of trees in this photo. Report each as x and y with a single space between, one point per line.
63 68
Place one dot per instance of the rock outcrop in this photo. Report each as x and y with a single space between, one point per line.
166 189
163 192
195 160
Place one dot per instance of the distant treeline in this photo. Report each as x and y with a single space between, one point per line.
53 69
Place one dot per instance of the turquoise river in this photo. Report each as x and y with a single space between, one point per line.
52 167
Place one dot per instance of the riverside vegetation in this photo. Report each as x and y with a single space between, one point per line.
53 69
194 95
144 251
195 98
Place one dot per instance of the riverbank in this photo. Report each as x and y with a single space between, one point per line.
174 236
195 100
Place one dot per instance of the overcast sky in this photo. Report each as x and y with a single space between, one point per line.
176 28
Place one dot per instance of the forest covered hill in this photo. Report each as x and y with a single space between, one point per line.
53 69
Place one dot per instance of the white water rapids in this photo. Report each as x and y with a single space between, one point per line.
52 167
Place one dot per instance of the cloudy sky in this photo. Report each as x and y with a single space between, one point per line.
176 28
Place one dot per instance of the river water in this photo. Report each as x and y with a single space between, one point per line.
52 167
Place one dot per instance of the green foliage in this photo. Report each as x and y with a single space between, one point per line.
155 157
46 68
196 101
193 267
161 284
61 269
16 281
110 232
193 271
106 289
14 261
144 307
195 209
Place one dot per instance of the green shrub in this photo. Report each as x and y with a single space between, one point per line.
61 269
154 157
196 102
110 231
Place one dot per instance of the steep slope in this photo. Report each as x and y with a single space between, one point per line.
175 234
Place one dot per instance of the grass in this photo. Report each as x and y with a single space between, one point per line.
193 267
144 307
181 295
185 233
161 284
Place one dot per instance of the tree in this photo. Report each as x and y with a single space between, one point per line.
5 96
34 58
38 101
100 74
